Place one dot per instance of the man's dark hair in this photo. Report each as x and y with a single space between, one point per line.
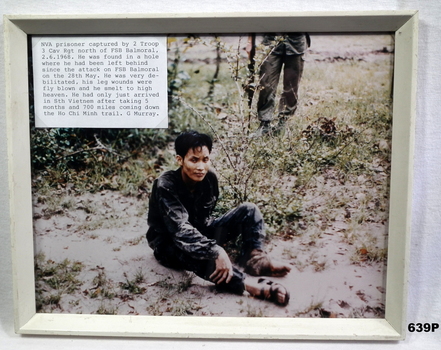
191 139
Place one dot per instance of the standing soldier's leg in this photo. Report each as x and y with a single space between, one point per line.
292 73
269 79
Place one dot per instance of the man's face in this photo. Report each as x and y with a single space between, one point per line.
195 165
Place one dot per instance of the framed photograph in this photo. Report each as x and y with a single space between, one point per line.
311 122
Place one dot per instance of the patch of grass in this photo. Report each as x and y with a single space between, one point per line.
368 311
102 287
53 280
289 253
252 311
74 302
170 301
172 286
181 307
312 310
135 241
155 308
143 208
133 286
88 206
139 276
105 309
56 204
101 222
173 307
47 302
317 262
369 253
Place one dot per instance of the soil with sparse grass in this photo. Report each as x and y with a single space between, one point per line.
322 185
108 268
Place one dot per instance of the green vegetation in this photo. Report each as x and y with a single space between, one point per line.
92 160
341 124
133 286
102 287
169 300
53 280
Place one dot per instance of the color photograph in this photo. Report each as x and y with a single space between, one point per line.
266 196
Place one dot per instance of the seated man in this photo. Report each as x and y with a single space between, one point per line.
183 235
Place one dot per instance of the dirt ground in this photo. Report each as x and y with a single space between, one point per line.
328 277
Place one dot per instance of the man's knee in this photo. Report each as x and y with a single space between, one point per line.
250 208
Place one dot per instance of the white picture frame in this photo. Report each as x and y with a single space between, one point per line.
392 327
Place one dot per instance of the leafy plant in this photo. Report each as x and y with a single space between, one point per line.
133 286
95 159
103 287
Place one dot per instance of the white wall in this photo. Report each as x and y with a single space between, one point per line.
424 304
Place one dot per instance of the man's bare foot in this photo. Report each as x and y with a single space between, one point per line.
260 264
265 289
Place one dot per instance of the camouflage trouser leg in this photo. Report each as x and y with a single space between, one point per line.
292 73
269 80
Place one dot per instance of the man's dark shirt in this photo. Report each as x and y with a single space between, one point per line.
180 217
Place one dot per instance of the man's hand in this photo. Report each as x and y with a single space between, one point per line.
224 268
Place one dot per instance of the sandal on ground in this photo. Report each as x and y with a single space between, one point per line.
271 294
